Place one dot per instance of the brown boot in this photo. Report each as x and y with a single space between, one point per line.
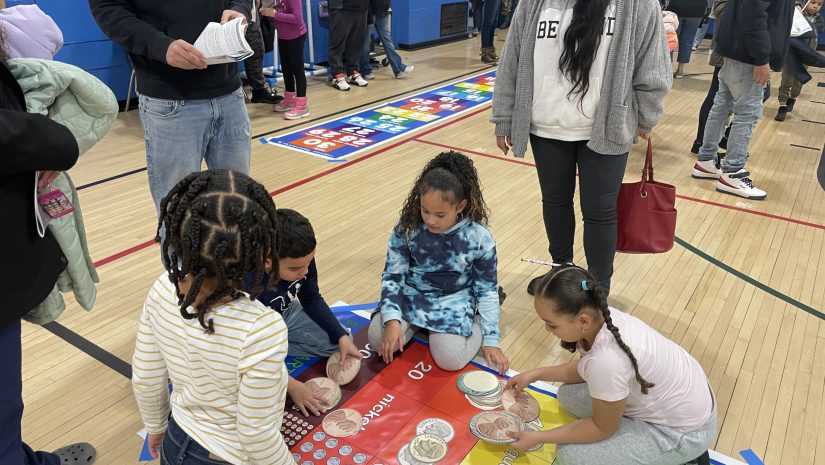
488 56
493 53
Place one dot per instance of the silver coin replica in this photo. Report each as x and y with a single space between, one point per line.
334 461
345 450
428 448
307 462
405 457
296 457
307 447
436 426
359 457
319 454
319 436
331 443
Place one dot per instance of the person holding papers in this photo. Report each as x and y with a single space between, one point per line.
190 109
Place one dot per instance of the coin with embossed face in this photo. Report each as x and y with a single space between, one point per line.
495 427
436 426
428 448
405 457
343 372
327 389
521 403
342 423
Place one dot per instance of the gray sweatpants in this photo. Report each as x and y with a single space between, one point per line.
451 352
635 442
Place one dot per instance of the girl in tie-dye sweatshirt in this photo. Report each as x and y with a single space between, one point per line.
441 271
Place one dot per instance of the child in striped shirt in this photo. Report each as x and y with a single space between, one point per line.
222 350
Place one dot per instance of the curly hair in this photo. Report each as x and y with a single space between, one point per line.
218 224
453 174
563 286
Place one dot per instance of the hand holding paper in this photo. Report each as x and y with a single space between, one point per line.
224 43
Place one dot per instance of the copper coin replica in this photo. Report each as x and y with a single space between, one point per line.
428 448
342 423
521 403
328 390
495 427
343 373
537 446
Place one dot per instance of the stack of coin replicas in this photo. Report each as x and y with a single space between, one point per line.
327 389
430 443
482 389
520 403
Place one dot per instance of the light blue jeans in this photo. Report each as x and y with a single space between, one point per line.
739 94
306 338
181 134
382 27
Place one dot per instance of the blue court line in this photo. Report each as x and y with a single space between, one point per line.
750 456
783 297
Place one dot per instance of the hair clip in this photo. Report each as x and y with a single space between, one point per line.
584 285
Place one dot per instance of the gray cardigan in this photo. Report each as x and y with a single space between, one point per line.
637 77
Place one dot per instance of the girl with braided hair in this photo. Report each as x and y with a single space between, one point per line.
640 397
202 329
441 270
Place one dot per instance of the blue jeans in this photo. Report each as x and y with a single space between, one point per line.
382 27
687 33
13 451
181 134
180 449
738 93
306 338
489 17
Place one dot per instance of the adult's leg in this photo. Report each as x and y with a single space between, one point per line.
12 449
717 121
230 144
600 177
556 168
253 66
338 33
306 338
476 5
376 331
357 22
364 66
686 32
382 26
453 352
747 109
489 13
175 133
705 110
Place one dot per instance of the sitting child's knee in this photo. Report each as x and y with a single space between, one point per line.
448 362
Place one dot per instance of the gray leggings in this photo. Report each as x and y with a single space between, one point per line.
635 442
451 352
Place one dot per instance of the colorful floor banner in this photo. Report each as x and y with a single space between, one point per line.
344 137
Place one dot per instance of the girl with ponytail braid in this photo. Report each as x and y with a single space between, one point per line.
640 398
202 329
441 271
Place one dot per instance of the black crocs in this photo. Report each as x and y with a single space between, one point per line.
79 453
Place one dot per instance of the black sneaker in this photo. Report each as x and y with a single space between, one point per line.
501 295
697 144
264 96
782 113
790 104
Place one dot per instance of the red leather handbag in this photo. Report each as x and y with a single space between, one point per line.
646 213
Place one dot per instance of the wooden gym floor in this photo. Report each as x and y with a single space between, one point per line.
740 290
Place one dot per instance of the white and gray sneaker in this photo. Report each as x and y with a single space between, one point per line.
706 170
356 79
340 82
409 69
740 184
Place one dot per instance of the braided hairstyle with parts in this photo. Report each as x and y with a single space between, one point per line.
218 224
573 290
453 174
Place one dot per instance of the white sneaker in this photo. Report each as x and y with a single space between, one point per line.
340 82
369 77
739 184
706 170
407 70
357 79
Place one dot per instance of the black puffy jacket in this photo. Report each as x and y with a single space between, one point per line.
756 32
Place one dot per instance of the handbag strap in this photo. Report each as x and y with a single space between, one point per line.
647 171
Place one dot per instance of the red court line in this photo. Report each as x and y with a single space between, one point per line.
683 197
314 177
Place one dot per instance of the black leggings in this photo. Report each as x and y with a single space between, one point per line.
292 64
600 177
706 106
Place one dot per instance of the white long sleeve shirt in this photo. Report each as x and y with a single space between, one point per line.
229 387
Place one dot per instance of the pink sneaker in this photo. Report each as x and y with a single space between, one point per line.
286 104
300 109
